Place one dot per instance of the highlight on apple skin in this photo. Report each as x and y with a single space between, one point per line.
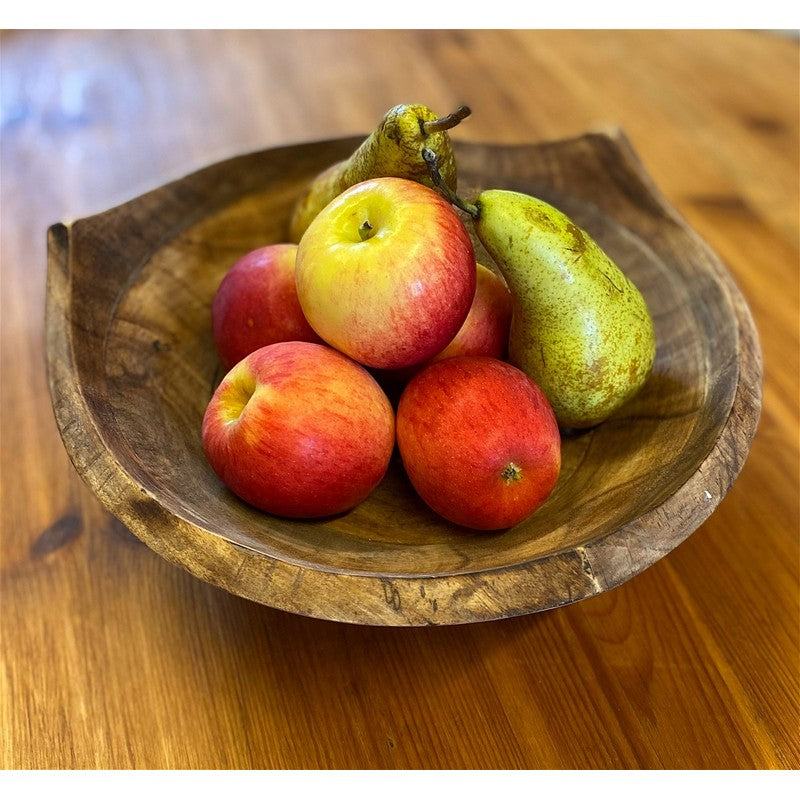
299 430
479 441
256 304
386 273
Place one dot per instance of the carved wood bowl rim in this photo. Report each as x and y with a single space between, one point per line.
79 392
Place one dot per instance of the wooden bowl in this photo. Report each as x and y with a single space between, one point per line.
131 368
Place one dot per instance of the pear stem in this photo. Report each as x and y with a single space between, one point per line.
436 176
444 123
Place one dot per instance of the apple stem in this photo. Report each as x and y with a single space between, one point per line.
436 176
365 230
444 123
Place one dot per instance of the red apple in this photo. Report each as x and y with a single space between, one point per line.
485 330
479 441
256 304
298 429
386 273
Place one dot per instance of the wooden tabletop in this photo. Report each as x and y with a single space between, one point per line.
114 658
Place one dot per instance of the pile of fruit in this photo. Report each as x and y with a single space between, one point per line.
380 288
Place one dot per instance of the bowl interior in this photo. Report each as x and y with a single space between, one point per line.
160 368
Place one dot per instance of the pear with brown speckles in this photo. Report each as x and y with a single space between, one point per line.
581 329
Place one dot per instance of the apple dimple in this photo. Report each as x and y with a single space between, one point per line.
237 395
363 222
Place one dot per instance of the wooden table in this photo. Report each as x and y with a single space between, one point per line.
113 658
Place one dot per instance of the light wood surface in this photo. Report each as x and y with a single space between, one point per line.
114 658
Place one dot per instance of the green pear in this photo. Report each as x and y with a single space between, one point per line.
580 327
393 149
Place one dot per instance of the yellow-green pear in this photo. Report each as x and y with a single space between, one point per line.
393 149
580 327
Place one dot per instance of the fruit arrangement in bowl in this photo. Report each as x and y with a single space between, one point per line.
507 379
385 275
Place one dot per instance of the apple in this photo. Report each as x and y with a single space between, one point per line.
485 330
386 273
479 441
298 429
256 304
483 333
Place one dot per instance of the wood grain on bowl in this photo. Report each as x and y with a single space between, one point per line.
132 366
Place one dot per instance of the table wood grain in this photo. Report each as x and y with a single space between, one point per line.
112 658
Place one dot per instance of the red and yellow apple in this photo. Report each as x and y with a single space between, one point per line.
485 330
386 273
479 441
298 429
256 304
